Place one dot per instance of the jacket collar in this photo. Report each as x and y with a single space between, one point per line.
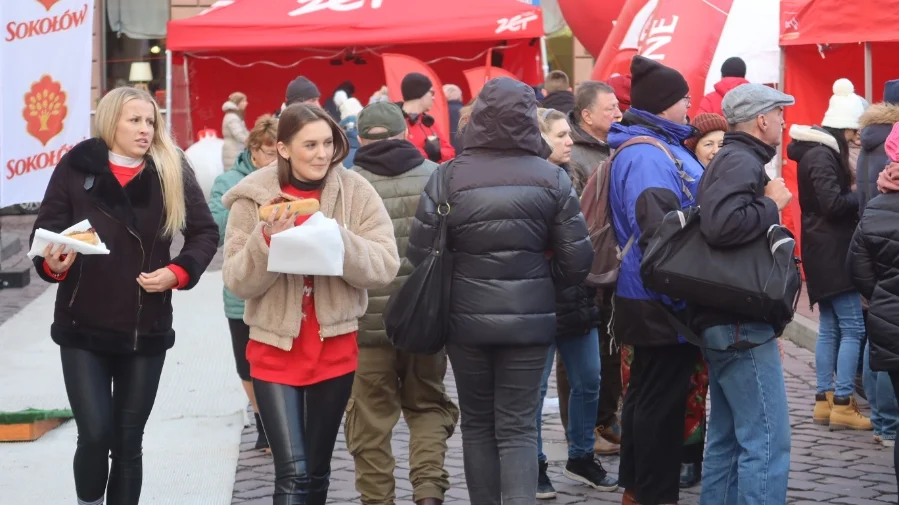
636 120
581 137
764 152
801 133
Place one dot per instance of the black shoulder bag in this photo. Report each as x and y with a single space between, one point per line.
417 314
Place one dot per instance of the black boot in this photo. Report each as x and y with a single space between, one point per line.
261 440
690 474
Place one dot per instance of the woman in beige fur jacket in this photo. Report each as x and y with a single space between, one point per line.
302 349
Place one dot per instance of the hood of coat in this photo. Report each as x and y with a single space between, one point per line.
230 106
389 158
244 163
876 124
724 86
505 117
805 138
637 122
580 136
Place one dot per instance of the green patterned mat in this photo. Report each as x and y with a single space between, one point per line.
32 415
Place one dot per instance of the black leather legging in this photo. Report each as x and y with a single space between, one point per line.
302 424
110 424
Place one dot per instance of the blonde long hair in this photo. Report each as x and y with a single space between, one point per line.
163 152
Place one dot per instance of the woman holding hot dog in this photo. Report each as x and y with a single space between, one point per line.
302 349
113 315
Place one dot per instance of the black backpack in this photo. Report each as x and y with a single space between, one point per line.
759 280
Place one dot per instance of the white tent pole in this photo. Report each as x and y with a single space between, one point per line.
168 89
781 84
869 74
543 55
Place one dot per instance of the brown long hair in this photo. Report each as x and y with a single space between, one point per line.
293 119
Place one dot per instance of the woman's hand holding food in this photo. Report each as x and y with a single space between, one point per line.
57 259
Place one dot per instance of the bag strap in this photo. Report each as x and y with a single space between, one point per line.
443 206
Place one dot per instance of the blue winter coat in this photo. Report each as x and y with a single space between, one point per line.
645 185
352 134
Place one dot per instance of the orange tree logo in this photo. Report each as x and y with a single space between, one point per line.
47 3
45 109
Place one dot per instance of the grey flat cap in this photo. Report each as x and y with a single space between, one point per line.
748 101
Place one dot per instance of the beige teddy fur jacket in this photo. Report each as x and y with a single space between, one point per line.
274 300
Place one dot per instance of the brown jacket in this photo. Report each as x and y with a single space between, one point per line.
274 300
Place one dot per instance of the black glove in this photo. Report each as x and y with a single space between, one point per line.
432 149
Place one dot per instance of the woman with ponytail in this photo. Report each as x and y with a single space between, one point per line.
113 315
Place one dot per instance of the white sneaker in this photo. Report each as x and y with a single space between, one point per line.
888 443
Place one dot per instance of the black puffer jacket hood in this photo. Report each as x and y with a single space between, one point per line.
516 231
389 157
874 265
505 117
562 101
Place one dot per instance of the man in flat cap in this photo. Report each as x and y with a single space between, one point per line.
389 382
749 425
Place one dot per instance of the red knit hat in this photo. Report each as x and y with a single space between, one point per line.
622 86
705 123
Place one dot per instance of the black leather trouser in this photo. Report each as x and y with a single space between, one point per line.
302 424
111 398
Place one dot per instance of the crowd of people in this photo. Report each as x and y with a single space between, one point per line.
312 351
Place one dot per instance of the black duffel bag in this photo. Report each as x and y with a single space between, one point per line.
759 280
416 317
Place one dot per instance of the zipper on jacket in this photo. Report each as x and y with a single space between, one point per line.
143 255
77 284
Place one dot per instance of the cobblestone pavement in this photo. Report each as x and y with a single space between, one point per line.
839 467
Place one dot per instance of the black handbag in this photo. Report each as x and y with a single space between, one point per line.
417 314
759 280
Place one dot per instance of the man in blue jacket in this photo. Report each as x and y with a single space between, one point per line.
645 185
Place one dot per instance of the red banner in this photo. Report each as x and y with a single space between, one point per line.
591 22
397 66
477 77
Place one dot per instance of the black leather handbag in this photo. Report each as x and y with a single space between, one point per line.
417 314
759 280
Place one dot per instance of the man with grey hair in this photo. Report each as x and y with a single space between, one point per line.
748 444
389 382
454 104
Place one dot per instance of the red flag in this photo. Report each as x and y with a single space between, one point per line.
477 77
397 66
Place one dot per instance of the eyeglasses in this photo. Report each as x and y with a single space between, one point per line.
688 99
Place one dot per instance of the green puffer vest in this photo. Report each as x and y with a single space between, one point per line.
400 195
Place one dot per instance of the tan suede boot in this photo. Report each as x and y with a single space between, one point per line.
604 447
845 416
823 406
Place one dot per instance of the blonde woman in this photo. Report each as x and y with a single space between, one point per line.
113 315
234 128
261 152
302 349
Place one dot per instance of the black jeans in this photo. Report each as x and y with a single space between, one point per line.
652 422
499 393
894 378
111 398
302 424
240 337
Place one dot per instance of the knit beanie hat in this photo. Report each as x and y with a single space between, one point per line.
622 86
415 86
655 87
892 144
846 108
705 123
734 67
891 92
301 89
349 108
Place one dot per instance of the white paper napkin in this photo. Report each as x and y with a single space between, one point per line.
43 237
313 248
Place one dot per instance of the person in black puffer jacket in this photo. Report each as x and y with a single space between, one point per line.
577 339
874 265
829 216
515 231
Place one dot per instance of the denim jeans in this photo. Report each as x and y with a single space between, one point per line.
499 389
581 358
882 398
747 457
841 327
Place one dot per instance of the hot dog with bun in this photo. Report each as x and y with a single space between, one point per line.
289 204
88 237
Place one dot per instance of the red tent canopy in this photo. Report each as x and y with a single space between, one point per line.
838 21
288 24
259 46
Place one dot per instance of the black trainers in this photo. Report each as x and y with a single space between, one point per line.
589 471
545 489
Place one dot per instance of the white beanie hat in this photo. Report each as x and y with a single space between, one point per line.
846 108
350 107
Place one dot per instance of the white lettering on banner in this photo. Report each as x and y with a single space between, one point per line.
45 101
657 36
514 24
215 6
310 6
26 29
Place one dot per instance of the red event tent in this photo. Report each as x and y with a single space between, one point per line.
259 46
822 41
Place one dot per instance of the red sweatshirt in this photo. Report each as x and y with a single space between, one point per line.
312 359
124 176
